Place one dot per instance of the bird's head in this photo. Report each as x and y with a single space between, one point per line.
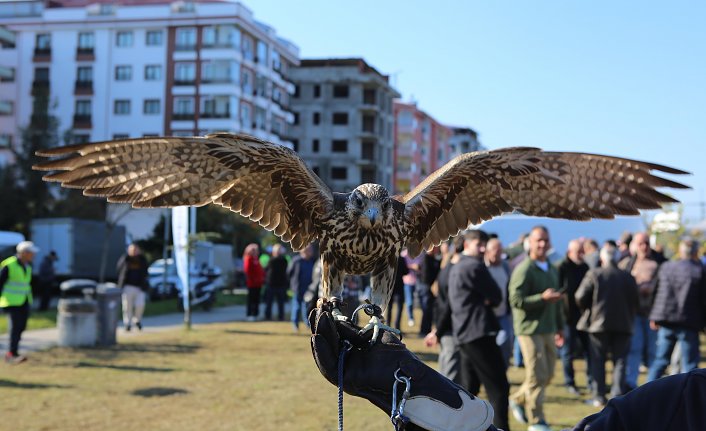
370 205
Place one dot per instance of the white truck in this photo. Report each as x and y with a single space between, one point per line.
8 241
79 245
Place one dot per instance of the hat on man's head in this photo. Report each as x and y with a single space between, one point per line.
27 246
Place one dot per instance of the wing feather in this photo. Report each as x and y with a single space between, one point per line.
576 186
268 183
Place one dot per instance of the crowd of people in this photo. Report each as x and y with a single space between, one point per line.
621 300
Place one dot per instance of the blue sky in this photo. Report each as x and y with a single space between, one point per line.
620 78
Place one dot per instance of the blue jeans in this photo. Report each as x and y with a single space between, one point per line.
298 311
642 349
572 336
517 354
409 300
666 340
506 337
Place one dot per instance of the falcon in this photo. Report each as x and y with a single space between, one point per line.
364 231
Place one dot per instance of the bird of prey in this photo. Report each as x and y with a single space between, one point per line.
362 231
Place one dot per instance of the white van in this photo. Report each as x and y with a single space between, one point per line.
8 242
509 228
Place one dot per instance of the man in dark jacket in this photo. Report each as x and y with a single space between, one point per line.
642 265
572 269
428 272
276 281
442 334
608 299
678 310
132 279
472 295
300 274
398 293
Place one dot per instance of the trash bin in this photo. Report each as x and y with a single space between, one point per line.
78 287
108 299
76 320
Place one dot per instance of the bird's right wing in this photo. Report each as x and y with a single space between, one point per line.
267 183
479 186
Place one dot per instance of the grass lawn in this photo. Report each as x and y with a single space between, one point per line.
234 376
47 319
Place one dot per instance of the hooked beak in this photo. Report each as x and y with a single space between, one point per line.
372 214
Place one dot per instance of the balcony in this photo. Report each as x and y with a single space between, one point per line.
184 116
42 55
83 88
184 82
85 54
82 121
215 114
185 47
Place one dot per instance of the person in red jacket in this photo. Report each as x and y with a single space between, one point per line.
254 279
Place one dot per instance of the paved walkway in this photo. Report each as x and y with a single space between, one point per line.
42 339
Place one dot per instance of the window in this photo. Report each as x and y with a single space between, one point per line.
296 91
295 144
86 41
11 77
369 123
7 107
339 146
185 73
152 106
221 35
124 39
316 171
296 118
121 107
183 106
248 48
41 74
339 173
84 76
83 108
216 71
315 146
276 61
261 86
261 52
245 116
246 80
317 118
260 118
120 136
154 38
368 150
340 118
185 38
123 73
43 42
317 91
340 91
215 107
153 72
367 175
5 140
369 96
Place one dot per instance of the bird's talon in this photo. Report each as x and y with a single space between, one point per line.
376 325
337 315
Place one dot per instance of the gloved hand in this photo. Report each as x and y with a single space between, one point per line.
435 403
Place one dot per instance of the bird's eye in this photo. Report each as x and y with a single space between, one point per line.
358 201
385 206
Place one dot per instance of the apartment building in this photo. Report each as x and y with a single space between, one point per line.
463 140
344 123
422 145
133 68
8 70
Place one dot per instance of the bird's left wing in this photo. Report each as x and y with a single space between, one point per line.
478 186
265 182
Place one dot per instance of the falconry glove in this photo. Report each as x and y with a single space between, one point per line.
433 403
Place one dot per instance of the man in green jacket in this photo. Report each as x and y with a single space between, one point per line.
538 322
16 295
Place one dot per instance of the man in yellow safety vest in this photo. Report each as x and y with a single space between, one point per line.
16 295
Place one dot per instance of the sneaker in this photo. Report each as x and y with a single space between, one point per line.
596 402
540 426
139 325
410 322
573 390
518 412
13 359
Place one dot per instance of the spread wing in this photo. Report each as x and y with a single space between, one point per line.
265 182
575 186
